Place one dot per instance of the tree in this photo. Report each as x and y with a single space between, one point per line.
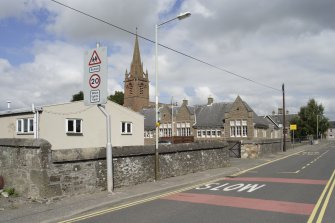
78 97
117 97
310 117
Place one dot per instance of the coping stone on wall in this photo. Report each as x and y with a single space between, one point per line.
80 154
26 143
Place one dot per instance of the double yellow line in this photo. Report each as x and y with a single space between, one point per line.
328 190
105 211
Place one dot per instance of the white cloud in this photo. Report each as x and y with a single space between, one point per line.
197 8
53 77
271 42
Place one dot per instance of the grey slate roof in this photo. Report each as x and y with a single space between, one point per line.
278 119
206 116
149 118
260 122
211 115
332 124
16 111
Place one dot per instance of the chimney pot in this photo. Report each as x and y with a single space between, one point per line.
210 101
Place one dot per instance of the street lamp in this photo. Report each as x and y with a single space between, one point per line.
179 17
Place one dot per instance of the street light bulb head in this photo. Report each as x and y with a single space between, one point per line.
183 15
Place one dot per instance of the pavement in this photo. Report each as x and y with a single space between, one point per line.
68 207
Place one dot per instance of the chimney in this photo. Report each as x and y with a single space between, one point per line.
185 102
280 111
273 112
210 100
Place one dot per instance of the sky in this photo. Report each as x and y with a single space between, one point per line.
42 46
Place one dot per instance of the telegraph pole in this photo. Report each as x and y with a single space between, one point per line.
284 120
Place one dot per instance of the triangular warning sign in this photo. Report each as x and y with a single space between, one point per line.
94 59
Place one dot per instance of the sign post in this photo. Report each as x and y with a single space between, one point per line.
95 93
293 128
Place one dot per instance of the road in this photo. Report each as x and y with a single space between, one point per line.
296 188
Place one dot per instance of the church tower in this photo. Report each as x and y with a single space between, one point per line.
136 83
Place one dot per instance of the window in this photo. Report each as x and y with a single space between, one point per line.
244 131
198 133
213 133
232 131
183 129
148 134
218 133
25 126
126 128
165 130
74 126
255 133
238 131
238 128
264 133
244 128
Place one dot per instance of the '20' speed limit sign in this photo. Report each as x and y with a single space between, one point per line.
94 81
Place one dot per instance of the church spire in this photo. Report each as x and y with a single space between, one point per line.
136 69
136 82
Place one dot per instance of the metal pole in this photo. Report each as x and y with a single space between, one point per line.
317 127
284 120
109 152
181 16
156 93
293 138
172 118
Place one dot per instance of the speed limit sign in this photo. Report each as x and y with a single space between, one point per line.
95 76
94 81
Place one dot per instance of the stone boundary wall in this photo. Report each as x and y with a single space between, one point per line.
37 172
257 148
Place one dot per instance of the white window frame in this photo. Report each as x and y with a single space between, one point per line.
264 133
238 128
238 131
28 129
213 133
244 131
233 131
74 120
126 128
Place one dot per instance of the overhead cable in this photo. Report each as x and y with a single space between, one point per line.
166 47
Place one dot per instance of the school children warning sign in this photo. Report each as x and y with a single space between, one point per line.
95 76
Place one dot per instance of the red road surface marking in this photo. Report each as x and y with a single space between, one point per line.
279 180
248 203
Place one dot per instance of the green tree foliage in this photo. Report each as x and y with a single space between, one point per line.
117 97
78 97
307 120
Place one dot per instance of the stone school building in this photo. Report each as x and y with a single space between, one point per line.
212 121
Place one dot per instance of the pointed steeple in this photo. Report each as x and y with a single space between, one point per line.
136 82
136 69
